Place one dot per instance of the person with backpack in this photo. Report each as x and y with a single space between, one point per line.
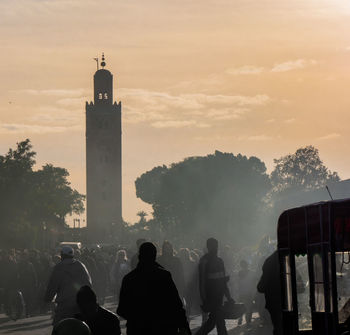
67 277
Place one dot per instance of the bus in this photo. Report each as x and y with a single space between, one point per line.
313 244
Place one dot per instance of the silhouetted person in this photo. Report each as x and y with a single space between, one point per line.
173 264
10 279
34 258
119 269
149 300
88 259
66 279
100 320
28 282
191 279
247 290
101 280
213 288
135 257
270 286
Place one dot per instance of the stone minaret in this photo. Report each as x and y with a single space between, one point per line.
103 159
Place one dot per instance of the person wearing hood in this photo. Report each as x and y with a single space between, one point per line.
67 277
149 300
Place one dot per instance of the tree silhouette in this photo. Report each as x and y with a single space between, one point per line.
294 178
220 193
142 215
303 170
31 199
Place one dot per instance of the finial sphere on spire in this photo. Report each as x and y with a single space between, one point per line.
103 63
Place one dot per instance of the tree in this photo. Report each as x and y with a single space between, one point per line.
219 194
303 170
15 191
142 215
296 176
30 199
54 197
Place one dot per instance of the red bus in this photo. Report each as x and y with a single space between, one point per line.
314 254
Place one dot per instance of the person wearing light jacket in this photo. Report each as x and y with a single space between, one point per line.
67 277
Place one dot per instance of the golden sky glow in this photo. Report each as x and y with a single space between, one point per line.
257 77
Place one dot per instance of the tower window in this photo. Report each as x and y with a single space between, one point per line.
106 96
100 96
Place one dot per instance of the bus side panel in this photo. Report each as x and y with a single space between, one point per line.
322 323
289 324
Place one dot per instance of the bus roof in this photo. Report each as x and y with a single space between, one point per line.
322 222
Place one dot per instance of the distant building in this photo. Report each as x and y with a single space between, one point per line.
103 159
339 190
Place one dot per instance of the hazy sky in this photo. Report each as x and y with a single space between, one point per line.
257 77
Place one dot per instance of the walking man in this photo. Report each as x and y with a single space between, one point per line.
270 286
67 277
213 287
149 300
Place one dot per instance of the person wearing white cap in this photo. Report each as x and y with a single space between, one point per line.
67 277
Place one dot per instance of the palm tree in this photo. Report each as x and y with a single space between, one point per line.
142 215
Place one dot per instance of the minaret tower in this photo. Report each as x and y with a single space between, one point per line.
103 158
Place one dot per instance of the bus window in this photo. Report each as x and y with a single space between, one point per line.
343 285
303 293
288 302
319 284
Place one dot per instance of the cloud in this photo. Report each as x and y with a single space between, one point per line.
245 70
191 101
178 124
178 110
259 99
48 115
292 120
135 114
55 92
73 102
226 113
278 67
211 80
20 128
257 138
329 137
292 65
157 108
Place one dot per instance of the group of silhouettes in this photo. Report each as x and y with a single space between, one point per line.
155 295
149 299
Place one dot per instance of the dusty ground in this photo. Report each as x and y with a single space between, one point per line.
41 325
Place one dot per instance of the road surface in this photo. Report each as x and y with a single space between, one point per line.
41 325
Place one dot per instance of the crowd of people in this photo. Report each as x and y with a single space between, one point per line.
201 280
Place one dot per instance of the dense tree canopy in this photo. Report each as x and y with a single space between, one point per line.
230 196
304 170
220 193
296 176
31 198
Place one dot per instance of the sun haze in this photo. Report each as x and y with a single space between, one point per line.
257 77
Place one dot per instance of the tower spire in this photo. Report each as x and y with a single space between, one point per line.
103 63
